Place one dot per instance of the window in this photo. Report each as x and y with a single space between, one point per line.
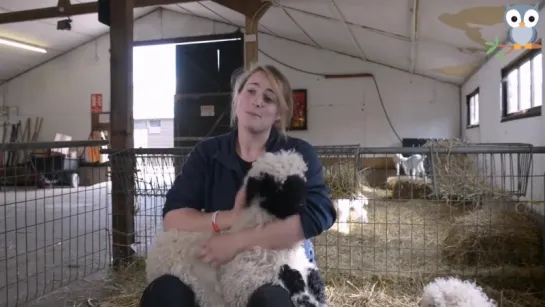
155 123
473 109
522 88
154 126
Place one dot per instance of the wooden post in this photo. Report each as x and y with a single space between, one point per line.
121 125
251 46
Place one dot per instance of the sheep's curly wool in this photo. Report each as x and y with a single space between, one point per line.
175 253
453 292
275 187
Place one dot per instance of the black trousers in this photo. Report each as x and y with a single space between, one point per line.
170 291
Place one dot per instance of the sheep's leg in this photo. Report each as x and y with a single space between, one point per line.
397 169
344 214
423 172
413 173
405 170
209 281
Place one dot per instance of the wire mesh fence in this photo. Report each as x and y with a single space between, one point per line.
461 218
474 210
152 172
53 218
477 211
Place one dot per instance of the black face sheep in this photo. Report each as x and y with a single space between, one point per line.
275 189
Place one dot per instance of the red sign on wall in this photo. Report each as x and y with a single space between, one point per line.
96 103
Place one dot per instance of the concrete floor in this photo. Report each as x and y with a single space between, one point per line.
50 238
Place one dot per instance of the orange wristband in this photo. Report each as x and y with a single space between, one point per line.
214 224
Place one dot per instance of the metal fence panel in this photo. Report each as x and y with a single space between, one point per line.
474 215
53 218
460 220
154 171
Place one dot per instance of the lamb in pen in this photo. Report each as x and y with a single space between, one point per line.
453 292
413 166
359 205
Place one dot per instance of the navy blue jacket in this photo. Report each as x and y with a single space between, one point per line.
212 176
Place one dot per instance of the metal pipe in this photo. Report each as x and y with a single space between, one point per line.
48 145
352 149
352 36
149 151
469 149
414 30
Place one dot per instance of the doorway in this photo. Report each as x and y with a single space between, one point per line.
154 86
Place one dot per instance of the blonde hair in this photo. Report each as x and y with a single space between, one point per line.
280 86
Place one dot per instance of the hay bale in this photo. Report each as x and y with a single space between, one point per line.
488 238
342 178
408 189
461 177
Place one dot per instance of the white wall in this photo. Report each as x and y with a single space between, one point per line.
60 90
491 130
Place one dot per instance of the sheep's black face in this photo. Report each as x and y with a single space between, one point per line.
279 199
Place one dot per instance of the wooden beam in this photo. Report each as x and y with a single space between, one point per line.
251 45
72 10
121 125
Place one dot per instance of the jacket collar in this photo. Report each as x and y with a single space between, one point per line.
228 156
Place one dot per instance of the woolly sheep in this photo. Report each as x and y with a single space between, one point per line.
176 253
275 189
453 292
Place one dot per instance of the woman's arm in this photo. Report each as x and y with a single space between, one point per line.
317 216
185 199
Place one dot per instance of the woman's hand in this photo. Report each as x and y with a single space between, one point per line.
222 248
240 199
226 219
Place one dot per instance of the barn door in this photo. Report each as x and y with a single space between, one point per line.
203 90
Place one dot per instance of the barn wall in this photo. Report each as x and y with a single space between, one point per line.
60 90
164 138
492 130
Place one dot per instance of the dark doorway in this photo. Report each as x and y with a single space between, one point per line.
202 107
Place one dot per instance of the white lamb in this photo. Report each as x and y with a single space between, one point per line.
453 292
175 253
413 166
344 206
275 189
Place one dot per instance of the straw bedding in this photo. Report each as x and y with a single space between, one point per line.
493 239
381 263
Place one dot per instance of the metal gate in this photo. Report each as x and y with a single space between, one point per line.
202 106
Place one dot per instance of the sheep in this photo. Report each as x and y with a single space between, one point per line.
275 189
412 166
345 205
453 292
176 253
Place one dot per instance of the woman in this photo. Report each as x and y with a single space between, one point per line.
261 109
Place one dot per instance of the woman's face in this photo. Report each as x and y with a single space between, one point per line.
257 105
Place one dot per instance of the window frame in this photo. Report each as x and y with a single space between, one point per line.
533 111
468 108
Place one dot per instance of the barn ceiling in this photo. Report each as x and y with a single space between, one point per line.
441 39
